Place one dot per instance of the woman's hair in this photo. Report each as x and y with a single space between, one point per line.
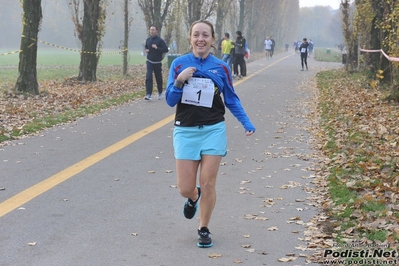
207 23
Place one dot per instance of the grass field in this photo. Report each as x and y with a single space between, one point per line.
57 64
327 54
60 57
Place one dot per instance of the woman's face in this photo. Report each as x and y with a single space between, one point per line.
201 39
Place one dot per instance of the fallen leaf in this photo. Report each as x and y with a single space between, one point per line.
214 255
286 259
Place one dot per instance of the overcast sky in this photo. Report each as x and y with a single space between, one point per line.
307 3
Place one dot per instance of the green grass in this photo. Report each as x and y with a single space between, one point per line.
327 54
58 65
59 57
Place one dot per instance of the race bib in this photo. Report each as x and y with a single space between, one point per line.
303 50
199 92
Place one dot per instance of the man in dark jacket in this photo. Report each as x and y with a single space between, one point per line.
239 52
273 46
155 48
303 49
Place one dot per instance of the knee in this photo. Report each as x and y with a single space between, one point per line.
208 187
186 192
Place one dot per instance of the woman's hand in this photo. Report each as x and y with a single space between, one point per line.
186 74
249 133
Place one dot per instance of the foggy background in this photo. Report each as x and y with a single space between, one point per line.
58 28
322 24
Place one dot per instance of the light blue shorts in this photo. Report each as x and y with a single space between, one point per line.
190 143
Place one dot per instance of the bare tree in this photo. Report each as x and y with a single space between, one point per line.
222 10
200 9
241 16
350 40
90 31
155 12
27 73
127 23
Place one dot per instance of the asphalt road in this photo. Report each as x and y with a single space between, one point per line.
102 190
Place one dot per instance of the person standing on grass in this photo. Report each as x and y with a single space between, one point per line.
155 48
196 83
303 50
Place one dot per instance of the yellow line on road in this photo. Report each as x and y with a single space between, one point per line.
45 185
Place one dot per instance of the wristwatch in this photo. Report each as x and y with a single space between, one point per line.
178 84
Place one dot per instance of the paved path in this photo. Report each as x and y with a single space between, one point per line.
102 190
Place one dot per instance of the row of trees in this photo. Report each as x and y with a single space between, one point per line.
256 18
373 25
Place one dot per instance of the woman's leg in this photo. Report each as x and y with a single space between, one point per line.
187 178
209 170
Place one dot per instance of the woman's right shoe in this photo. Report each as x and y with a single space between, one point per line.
204 238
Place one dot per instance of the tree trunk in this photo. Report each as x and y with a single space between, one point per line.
351 42
27 77
126 36
242 16
382 11
218 28
155 12
88 57
194 10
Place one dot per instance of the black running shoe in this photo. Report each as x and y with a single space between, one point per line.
204 238
190 207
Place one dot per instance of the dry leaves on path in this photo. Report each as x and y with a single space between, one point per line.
16 110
